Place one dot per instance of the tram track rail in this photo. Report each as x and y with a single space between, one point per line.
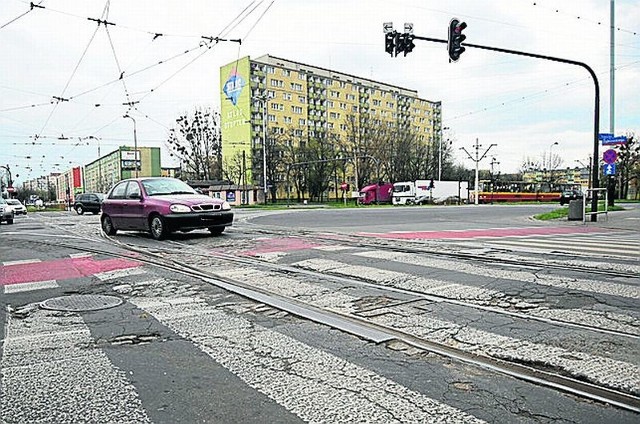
353 324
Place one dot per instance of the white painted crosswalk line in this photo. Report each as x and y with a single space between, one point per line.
21 262
444 289
313 384
31 286
594 286
49 374
119 273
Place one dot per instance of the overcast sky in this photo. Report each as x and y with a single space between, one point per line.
523 105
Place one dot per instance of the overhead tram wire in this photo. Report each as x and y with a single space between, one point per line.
60 98
547 92
31 7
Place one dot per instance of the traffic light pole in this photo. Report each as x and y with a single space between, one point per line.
596 114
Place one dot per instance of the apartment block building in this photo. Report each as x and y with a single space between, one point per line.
310 101
105 171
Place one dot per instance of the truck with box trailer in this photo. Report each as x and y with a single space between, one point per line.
429 191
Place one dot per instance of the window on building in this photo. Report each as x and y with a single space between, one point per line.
276 83
297 132
286 96
271 118
286 73
270 70
296 109
301 122
302 99
296 87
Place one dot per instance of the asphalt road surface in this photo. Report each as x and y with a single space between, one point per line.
424 314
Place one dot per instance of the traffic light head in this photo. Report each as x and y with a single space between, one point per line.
408 43
390 42
400 43
456 37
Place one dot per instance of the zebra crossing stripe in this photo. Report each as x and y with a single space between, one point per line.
594 286
313 384
31 286
21 262
49 374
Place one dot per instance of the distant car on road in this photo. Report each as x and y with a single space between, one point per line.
569 195
17 206
88 202
6 213
161 206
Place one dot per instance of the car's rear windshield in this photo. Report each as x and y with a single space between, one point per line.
157 187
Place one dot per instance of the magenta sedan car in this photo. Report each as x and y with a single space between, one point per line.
160 206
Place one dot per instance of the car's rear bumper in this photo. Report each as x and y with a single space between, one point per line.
193 221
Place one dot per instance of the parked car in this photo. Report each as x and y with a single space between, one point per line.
569 195
6 213
88 202
17 206
162 205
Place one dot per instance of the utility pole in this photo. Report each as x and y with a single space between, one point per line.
477 160
135 143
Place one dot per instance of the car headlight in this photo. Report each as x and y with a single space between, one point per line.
177 208
226 206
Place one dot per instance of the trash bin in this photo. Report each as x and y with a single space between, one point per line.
576 210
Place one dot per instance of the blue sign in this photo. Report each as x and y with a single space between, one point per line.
610 169
609 139
231 196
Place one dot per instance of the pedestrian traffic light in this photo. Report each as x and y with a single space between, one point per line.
390 42
431 184
456 37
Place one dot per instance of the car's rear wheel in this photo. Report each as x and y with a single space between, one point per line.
216 231
107 226
10 221
158 227
79 210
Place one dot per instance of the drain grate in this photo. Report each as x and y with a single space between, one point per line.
81 302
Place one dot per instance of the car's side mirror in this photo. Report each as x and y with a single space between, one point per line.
134 196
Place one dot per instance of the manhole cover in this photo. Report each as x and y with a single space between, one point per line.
81 302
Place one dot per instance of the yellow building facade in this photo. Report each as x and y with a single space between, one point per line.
310 102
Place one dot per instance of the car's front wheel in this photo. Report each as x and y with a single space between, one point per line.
107 226
10 221
216 231
79 210
158 227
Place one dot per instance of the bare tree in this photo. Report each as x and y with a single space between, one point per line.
196 142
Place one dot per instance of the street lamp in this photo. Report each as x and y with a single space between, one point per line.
135 143
555 143
99 184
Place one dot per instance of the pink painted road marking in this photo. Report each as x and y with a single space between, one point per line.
279 245
60 269
489 232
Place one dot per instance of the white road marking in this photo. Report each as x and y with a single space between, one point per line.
21 262
31 286
313 384
119 273
594 286
50 374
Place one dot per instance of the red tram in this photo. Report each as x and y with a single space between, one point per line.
518 191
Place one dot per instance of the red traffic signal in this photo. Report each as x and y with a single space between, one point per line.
456 37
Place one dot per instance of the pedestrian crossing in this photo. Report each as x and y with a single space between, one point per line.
51 355
619 245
